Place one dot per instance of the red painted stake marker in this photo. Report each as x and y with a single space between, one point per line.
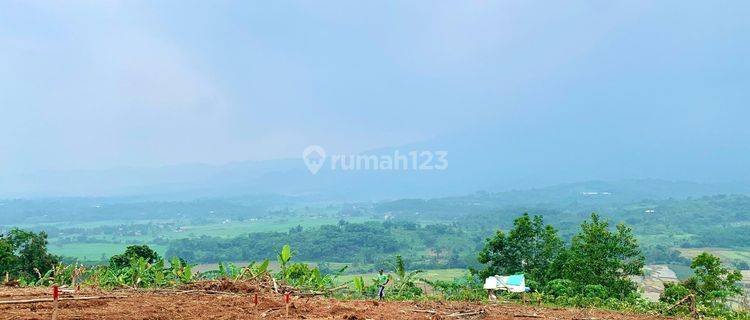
55 298
286 301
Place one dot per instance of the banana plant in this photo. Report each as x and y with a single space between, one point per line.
187 274
46 279
222 270
284 257
253 270
234 271
405 280
159 278
359 285
181 273
260 269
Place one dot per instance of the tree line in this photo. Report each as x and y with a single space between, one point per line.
596 256
594 268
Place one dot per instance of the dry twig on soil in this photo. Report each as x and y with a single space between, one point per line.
61 299
322 293
421 311
269 311
465 314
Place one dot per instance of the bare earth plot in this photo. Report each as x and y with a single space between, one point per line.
194 304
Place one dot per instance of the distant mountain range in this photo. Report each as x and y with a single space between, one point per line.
290 177
514 157
599 196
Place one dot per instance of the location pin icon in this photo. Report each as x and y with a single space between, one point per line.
314 157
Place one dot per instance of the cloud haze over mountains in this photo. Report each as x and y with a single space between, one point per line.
124 98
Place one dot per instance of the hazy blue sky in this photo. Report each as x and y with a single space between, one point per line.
97 84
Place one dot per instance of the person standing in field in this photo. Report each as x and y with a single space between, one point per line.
383 280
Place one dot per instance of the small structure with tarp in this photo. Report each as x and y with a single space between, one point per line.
512 283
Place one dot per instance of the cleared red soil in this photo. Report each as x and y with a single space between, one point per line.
187 304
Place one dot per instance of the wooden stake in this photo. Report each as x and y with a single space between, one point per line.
255 300
286 301
55 298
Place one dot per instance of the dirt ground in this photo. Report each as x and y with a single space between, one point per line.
202 304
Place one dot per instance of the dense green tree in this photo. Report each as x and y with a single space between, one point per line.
560 287
598 256
712 281
530 247
7 257
662 254
133 252
24 254
711 285
493 255
346 242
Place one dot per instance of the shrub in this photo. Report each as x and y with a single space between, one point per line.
711 287
595 291
133 252
673 292
560 288
459 289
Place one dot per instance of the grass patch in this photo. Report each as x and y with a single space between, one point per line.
94 251
724 253
116 244
431 274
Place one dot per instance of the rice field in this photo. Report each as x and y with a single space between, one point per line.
108 245
742 254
